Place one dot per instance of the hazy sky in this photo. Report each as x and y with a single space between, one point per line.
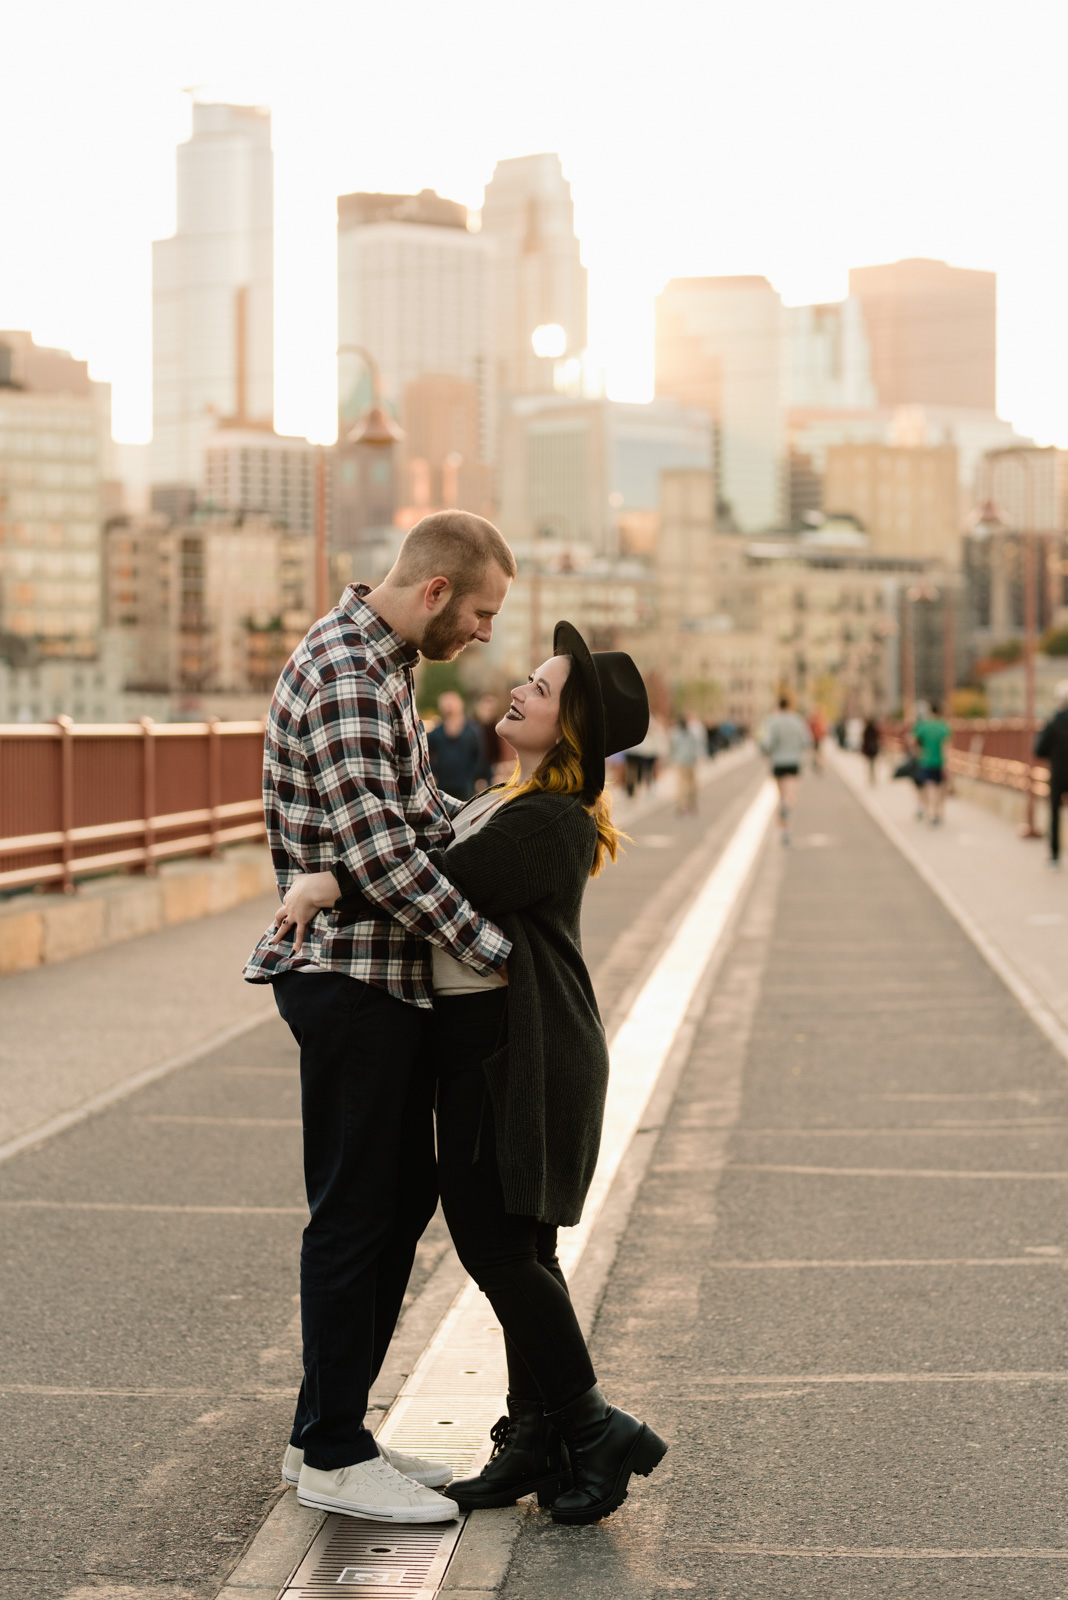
699 136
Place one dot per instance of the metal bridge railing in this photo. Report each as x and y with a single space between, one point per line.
81 799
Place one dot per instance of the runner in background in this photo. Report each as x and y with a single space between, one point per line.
784 740
930 735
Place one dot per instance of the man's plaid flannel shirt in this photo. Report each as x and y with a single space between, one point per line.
346 777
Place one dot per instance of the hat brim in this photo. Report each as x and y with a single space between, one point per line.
567 641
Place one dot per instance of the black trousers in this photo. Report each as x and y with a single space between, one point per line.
1058 787
511 1258
367 1109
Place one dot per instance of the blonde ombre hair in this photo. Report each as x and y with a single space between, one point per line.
561 772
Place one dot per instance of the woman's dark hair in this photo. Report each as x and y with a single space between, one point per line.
561 771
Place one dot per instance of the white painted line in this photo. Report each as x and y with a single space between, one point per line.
643 1040
128 1086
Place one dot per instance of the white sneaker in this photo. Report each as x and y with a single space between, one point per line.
375 1490
431 1474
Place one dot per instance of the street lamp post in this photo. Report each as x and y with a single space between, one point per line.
913 594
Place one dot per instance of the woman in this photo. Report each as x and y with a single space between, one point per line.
522 1075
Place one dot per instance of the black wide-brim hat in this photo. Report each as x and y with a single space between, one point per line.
617 704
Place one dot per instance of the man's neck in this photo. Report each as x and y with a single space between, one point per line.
390 606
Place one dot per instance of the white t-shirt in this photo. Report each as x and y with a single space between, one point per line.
450 976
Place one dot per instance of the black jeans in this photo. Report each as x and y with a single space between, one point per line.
511 1258
367 1107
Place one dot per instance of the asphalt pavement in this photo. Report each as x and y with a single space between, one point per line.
149 1351
841 1295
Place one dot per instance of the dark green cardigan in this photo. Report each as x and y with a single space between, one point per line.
527 868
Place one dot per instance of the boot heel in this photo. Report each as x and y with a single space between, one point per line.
649 1451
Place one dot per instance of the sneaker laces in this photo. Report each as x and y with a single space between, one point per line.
393 1479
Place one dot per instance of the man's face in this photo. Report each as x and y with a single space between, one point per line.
456 621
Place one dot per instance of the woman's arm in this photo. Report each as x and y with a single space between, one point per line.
507 866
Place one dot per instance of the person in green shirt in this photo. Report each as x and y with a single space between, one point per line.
930 735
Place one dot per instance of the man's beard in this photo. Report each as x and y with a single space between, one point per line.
442 641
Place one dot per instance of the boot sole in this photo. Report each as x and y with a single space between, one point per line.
644 1456
546 1490
409 1514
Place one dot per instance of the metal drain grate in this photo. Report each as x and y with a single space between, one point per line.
374 1559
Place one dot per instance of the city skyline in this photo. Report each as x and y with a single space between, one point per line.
795 163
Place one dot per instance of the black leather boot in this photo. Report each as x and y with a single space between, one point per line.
604 1447
528 1458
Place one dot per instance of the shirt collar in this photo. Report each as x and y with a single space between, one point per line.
390 648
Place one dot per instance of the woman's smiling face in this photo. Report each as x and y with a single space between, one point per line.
532 722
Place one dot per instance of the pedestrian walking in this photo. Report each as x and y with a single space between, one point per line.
683 751
457 749
495 751
930 735
817 727
639 763
784 739
870 745
1052 746
347 780
522 1074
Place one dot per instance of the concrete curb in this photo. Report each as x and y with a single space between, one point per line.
39 930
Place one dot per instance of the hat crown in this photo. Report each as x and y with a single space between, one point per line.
625 701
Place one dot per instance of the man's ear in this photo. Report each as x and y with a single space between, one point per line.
436 591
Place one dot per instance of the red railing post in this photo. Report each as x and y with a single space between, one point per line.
214 781
148 794
66 801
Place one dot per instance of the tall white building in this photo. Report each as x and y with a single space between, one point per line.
213 291
580 477
415 289
51 456
719 347
262 474
528 213
826 357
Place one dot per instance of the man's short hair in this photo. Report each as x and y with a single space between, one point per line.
452 544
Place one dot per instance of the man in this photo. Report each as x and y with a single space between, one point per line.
1052 746
784 740
347 782
930 735
495 751
457 757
